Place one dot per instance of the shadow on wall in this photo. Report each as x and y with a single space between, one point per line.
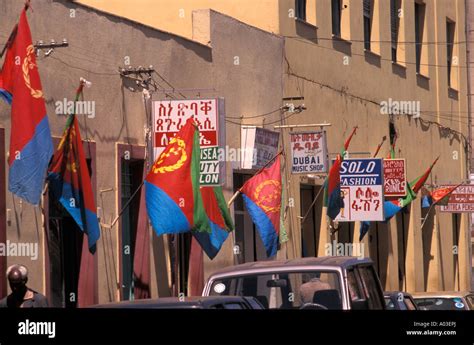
201 50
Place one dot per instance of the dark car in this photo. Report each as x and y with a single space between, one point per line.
193 302
444 300
399 300
331 282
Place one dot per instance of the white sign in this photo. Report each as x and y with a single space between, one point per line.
308 152
259 145
362 190
170 115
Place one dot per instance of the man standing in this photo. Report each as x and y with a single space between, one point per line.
21 296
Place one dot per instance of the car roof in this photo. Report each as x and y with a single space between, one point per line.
164 302
321 262
441 294
395 293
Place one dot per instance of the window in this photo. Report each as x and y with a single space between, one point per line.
310 209
450 29
370 287
284 290
395 6
354 290
132 172
421 51
300 6
336 17
367 23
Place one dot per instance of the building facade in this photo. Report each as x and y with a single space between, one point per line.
346 57
130 261
340 59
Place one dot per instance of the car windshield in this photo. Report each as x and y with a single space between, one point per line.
284 290
440 303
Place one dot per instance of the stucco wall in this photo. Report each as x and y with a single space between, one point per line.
99 43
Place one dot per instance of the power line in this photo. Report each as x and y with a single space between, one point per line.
366 100
83 69
379 41
379 57
253 117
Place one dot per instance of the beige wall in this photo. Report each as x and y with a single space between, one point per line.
176 16
252 86
340 82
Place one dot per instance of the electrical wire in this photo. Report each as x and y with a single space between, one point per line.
302 40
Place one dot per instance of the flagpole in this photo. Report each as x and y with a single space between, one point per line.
314 201
236 194
127 204
426 217
380 146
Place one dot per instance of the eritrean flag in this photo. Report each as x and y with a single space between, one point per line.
70 181
392 207
173 198
31 146
220 221
262 196
332 185
439 196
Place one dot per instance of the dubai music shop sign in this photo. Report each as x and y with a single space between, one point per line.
209 114
308 152
362 190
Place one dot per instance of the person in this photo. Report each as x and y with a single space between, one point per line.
21 296
308 289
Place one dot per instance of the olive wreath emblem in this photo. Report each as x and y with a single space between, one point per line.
266 201
180 149
27 65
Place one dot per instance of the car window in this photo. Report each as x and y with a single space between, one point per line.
284 290
470 301
435 303
355 292
409 303
370 286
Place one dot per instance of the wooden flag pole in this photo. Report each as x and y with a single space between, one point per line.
236 194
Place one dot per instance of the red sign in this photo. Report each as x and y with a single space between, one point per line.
461 200
395 179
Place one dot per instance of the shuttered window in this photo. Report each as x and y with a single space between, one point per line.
300 7
394 25
367 23
336 17
450 27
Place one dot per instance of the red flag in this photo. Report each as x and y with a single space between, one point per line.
262 196
440 196
420 181
348 141
31 146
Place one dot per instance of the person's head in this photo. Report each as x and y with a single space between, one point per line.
17 277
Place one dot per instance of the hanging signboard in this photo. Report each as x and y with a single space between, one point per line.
362 190
259 145
394 175
461 199
170 115
308 152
